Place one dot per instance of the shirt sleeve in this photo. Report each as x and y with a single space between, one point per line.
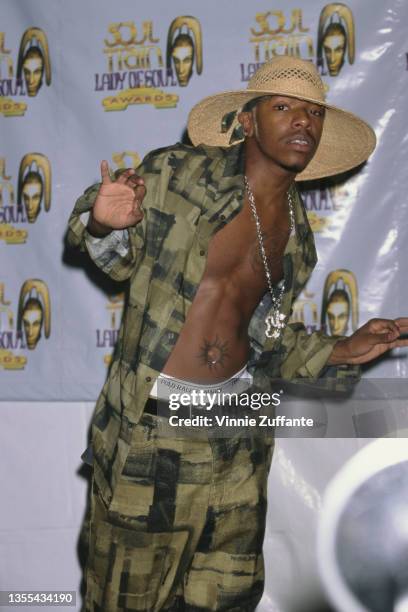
105 251
122 255
117 253
306 356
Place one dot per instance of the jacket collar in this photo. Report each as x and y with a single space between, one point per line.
224 181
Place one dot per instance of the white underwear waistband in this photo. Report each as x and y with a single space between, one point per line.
166 385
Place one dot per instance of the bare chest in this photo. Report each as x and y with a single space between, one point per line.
234 253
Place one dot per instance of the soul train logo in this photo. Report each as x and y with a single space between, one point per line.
33 195
339 306
278 32
329 202
33 69
107 337
33 323
137 67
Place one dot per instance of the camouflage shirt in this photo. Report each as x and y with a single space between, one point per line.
190 194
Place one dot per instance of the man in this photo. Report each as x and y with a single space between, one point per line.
215 257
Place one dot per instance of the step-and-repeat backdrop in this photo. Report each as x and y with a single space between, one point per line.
86 80
92 80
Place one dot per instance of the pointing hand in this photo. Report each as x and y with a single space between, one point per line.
118 204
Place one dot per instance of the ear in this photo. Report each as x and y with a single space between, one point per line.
247 122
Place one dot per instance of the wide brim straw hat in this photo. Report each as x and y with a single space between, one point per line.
346 140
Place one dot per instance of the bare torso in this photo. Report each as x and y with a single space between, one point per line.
214 344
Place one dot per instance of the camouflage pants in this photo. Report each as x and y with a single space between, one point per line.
185 527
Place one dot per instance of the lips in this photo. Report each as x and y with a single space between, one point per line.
301 142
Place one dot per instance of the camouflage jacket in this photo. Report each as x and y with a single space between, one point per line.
191 193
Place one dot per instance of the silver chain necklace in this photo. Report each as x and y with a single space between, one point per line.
275 322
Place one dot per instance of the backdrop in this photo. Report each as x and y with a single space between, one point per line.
91 80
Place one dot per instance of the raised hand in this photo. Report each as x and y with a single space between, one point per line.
118 204
371 340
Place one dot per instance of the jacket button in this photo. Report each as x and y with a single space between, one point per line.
222 217
148 379
202 252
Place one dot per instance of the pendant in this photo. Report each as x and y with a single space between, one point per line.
274 325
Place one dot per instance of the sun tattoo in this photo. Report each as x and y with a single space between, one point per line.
213 354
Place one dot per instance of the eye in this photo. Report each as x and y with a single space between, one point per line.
318 112
280 107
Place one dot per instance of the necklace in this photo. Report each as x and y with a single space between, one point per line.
275 322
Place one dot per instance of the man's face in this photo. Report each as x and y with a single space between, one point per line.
32 195
33 69
183 57
32 323
334 47
338 313
287 130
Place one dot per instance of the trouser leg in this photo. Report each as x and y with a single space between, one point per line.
227 569
142 542
186 520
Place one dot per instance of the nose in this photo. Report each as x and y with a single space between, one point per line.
301 118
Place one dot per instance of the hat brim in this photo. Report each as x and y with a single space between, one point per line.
346 142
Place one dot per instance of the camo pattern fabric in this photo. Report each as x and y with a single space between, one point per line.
140 532
191 192
185 527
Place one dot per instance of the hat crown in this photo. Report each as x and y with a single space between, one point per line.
289 75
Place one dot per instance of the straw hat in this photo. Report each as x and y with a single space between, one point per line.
346 140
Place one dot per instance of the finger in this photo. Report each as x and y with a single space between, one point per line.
383 338
140 192
394 329
402 322
106 179
381 324
378 326
137 203
399 343
124 176
136 180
